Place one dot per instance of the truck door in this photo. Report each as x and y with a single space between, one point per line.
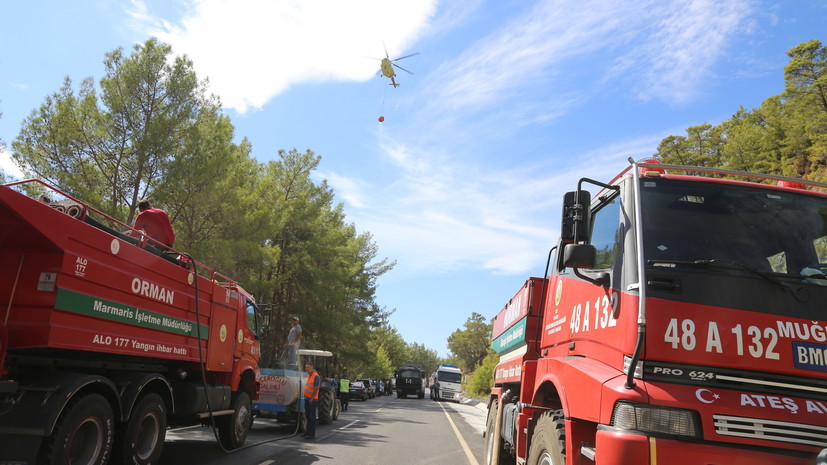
221 344
583 311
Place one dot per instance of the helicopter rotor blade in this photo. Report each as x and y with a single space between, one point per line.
406 56
403 69
386 50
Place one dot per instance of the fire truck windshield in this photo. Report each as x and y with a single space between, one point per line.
720 226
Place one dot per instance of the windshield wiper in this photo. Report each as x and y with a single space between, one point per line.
733 265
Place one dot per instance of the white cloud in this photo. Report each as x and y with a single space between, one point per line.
251 51
8 166
439 218
665 50
348 190
522 54
678 56
444 208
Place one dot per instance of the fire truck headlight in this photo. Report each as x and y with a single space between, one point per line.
653 419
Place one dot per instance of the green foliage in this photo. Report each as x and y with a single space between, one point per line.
387 351
786 135
481 381
425 358
470 345
381 367
397 350
114 148
805 75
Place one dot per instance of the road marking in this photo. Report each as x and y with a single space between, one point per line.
471 459
349 424
267 462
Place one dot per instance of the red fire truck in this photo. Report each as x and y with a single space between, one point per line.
107 339
682 320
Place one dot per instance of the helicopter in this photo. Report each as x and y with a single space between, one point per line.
386 67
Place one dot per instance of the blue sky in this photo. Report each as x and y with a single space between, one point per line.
510 103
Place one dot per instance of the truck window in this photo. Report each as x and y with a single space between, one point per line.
449 377
770 231
606 233
252 317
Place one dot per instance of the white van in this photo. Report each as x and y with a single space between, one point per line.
450 383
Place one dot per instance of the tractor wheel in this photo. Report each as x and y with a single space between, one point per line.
337 408
326 407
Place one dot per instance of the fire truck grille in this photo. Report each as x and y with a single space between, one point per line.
770 430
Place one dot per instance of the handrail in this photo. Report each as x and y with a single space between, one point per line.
211 274
728 172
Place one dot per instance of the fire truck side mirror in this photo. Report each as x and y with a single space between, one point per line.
579 256
576 216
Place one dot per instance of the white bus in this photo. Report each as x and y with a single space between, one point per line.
450 383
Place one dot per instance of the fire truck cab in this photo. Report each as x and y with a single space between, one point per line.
682 321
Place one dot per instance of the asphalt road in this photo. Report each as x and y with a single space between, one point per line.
377 431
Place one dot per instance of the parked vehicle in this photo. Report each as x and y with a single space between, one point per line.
410 381
682 321
281 395
358 390
450 383
370 387
105 339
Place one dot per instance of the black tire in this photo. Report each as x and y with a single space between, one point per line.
326 406
337 408
421 395
233 429
548 444
302 423
83 434
140 440
489 439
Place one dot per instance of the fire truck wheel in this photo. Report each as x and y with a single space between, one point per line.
83 433
142 438
489 438
548 445
233 429
325 407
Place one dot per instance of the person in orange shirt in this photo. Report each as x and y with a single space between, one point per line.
311 398
155 223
